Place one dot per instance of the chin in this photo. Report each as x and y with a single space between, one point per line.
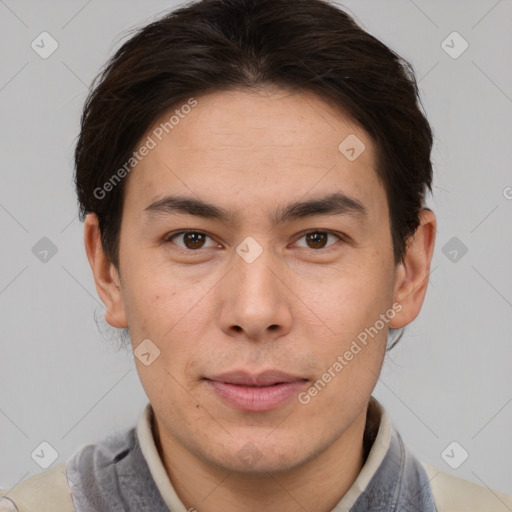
260 456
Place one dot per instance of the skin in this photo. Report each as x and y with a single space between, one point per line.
295 308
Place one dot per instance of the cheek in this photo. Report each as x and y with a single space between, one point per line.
352 299
352 341
350 355
157 298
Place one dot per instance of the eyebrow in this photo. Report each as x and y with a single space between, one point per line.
332 204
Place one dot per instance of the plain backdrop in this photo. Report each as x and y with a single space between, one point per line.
449 379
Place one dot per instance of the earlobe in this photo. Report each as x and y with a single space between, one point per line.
414 270
105 274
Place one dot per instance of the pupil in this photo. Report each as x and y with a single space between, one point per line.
318 239
194 240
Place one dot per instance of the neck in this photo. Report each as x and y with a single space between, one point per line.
318 484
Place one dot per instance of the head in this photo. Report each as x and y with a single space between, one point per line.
291 147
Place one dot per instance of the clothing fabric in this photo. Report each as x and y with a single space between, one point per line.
124 472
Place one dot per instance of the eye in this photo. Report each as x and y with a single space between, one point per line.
192 240
318 239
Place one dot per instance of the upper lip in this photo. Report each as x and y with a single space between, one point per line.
266 378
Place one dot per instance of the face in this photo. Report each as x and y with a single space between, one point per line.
254 311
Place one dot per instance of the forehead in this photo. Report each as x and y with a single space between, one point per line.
255 145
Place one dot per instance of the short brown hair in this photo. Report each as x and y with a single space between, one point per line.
215 45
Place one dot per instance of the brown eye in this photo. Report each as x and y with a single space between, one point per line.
318 239
191 240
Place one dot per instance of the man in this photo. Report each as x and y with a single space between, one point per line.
252 175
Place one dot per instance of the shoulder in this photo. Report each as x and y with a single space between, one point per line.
456 494
47 491
52 489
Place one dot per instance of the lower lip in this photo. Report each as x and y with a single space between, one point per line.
255 399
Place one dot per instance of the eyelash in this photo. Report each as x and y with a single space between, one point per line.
168 238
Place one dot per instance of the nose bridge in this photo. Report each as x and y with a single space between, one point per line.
252 272
256 297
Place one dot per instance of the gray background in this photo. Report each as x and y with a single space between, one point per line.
448 380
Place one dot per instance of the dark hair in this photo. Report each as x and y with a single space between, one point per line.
215 45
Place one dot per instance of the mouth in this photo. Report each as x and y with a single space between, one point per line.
264 391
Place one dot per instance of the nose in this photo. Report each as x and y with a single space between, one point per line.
256 298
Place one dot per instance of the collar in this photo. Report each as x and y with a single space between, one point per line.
155 464
378 420
380 448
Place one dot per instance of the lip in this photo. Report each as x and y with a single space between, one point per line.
255 392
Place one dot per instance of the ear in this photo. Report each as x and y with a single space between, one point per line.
106 277
413 272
